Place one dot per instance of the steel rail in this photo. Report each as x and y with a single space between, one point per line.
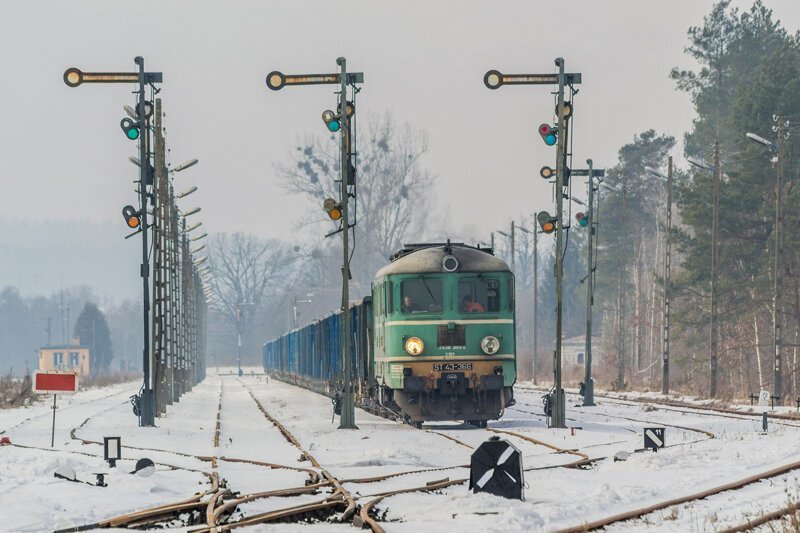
637 513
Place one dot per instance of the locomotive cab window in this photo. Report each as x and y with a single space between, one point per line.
479 295
421 295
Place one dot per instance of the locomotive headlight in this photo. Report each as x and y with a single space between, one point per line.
414 346
490 345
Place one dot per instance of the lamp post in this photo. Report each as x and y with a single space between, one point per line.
512 238
239 334
716 170
667 274
535 297
295 301
780 128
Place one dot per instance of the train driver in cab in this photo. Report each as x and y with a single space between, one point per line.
408 304
469 305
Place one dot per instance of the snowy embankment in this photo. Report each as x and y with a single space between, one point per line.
704 450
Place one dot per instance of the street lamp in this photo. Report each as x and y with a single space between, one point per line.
511 237
186 192
778 149
667 273
184 166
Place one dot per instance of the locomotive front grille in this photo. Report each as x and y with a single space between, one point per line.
452 336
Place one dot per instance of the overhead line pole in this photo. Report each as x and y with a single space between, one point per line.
778 278
712 389
535 297
667 273
588 394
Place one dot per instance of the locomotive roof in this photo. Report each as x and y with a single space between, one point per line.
427 258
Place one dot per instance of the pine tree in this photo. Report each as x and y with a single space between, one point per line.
92 330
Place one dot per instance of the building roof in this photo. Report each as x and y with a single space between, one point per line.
428 258
64 347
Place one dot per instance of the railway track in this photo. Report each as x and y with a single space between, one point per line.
643 512
48 414
676 406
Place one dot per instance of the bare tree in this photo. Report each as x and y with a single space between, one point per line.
249 277
389 181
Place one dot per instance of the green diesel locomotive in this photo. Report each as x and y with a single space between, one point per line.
436 341
443 324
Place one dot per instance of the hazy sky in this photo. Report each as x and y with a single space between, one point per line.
65 157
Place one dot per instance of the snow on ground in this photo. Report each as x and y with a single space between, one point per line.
183 444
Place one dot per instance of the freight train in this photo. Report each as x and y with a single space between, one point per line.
435 341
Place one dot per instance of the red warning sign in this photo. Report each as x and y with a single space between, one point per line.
55 382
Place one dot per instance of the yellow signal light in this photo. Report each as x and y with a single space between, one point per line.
333 208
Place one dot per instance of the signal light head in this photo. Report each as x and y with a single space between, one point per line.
331 121
131 217
549 134
546 222
333 208
547 172
130 128
582 219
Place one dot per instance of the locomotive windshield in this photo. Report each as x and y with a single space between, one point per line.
422 295
478 295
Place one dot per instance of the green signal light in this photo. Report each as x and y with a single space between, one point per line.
550 140
130 128
333 126
584 221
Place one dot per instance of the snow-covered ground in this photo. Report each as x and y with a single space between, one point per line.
705 449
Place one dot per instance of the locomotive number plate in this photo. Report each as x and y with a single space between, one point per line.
452 367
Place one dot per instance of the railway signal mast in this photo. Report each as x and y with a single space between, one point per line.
338 211
589 219
138 129
557 136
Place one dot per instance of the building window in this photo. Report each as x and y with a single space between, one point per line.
74 360
58 359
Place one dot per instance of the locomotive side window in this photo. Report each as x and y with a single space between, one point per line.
478 295
421 295
388 289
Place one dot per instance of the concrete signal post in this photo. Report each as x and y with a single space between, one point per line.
337 210
557 136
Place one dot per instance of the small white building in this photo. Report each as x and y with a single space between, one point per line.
573 350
